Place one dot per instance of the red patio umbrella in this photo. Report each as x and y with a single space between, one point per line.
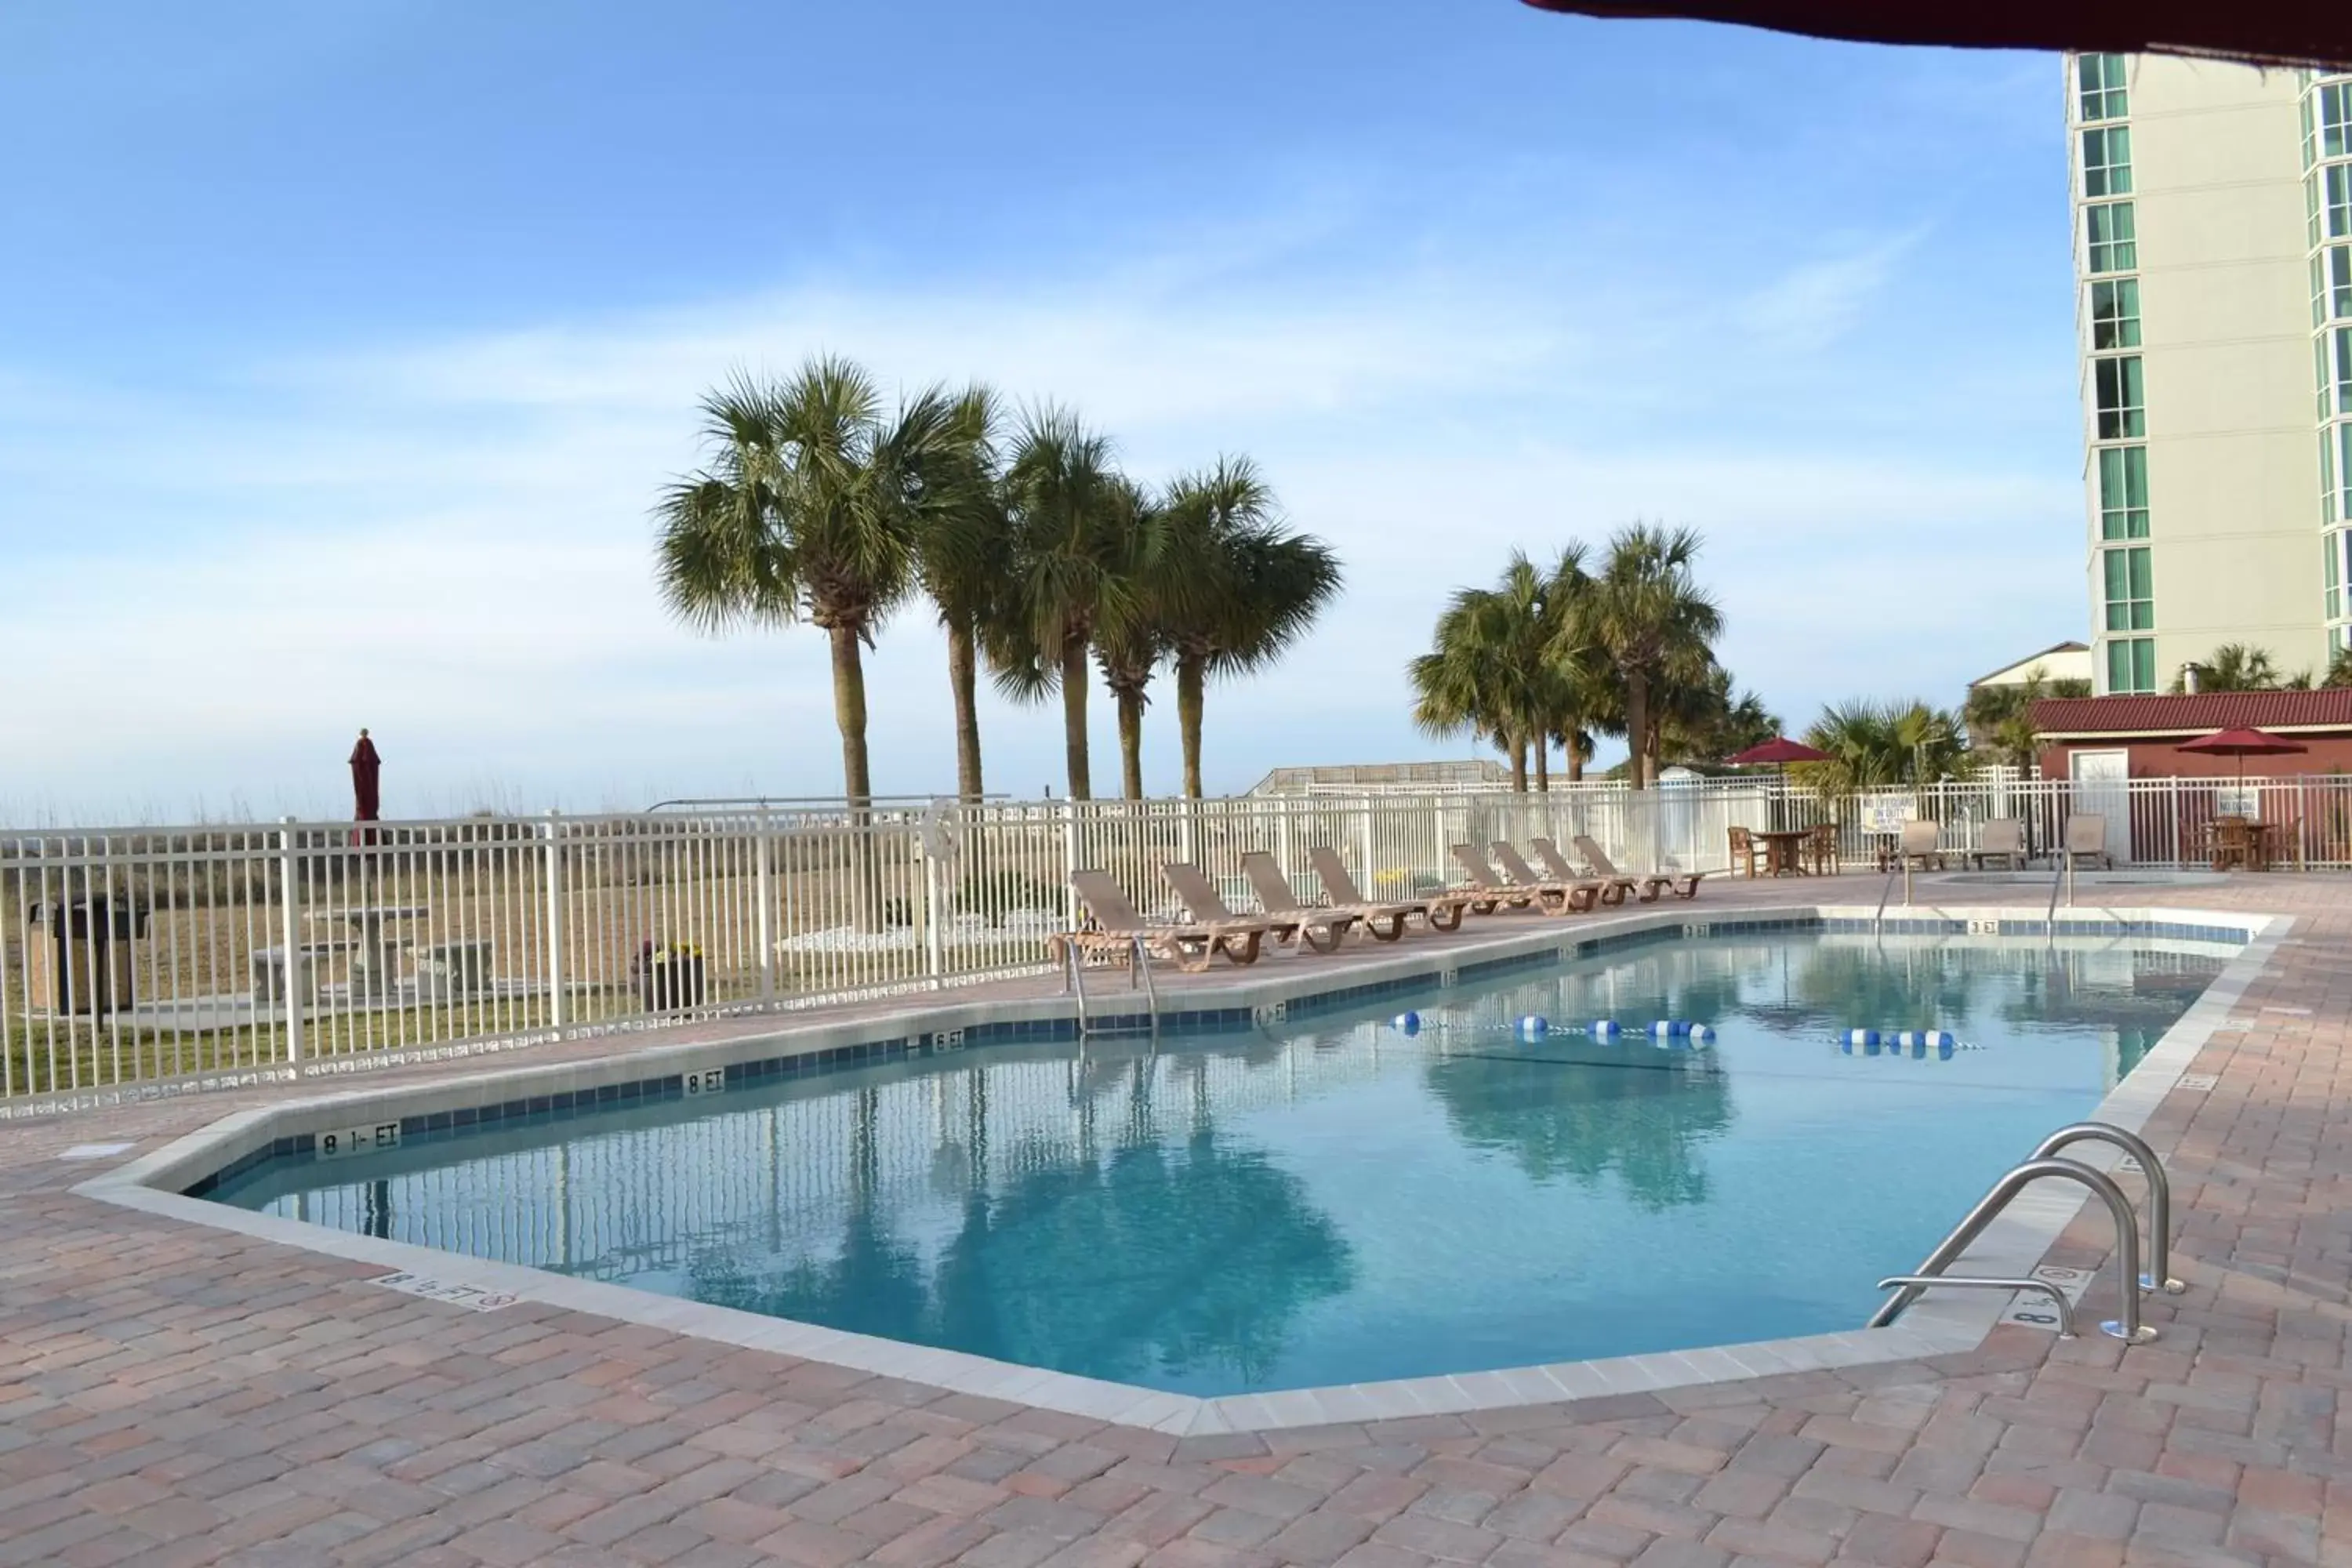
1780 751
2242 744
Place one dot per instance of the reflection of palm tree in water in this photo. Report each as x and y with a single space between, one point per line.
1176 1255
1588 1110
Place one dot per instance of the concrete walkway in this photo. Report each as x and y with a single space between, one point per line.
170 1394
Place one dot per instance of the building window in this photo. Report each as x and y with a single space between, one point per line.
2131 664
2336 473
2331 550
2099 79
2131 601
2335 105
2114 314
2331 285
2113 242
2334 351
2123 492
2335 215
2122 407
2107 161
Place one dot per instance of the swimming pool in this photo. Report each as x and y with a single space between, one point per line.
1334 1201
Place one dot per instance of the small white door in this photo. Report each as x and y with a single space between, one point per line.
2103 788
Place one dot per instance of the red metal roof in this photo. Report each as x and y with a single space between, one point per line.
2302 32
2196 713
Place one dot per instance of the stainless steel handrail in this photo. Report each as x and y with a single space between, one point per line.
2127 1328
1993 1282
2160 1192
1074 979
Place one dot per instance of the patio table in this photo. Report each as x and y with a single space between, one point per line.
1784 850
375 960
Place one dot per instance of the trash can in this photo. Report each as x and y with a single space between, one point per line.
670 977
78 955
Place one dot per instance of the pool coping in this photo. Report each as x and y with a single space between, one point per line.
1954 1322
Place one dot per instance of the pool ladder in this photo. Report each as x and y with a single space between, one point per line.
1073 979
2043 1164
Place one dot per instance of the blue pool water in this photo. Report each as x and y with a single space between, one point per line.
1332 1201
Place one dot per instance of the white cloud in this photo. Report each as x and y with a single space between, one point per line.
448 542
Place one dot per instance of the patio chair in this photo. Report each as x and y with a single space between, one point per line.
1743 851
1543 898
1611 890
1821 848
1190 947
1381 923
1683 885
1442 909
1205 903
2001 839
2086 839
1922 845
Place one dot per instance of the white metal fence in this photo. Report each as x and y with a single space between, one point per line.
146 956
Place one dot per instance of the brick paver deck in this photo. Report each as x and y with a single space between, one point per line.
170 1394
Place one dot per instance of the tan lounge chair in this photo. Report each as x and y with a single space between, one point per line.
1189 947
1612 887
1921 845
1382 922
2001 839
1442 910
1544 897
2086 839
1683 885
1205 904
1583 891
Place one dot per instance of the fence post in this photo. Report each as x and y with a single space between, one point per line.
553 828
1069 863
763 885
933 837
290 909
1372 864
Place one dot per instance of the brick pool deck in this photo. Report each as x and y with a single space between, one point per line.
172 1394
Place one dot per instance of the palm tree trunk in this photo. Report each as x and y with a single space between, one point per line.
1073 716
962 679
857 779
1192 683
1131 742
1543 763
1518 766
1575 751
1637 728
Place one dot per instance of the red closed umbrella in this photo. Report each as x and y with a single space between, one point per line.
366 769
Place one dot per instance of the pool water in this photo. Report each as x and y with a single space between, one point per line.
1334 1201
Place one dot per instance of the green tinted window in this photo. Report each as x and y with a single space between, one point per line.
2331 559
2131 664
2130 599
2123 492
2107 161
2099 83
2120 404
2109 232
2334 103
2336 201
2331 284
2114 314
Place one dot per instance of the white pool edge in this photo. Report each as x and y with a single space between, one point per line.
1953 1321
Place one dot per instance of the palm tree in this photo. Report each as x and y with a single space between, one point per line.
1064 503
1999 719
1876 745
961 547
2238 666
1490 669
1238 589
1130 634
809 510
1647 618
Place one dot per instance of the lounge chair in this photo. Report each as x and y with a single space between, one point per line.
2086 839
1544 897
2001 839
1189 947
1921 845
1682 884
1608 890
1205 904
1382 922
1442 909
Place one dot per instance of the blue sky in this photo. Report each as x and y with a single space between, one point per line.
343 349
